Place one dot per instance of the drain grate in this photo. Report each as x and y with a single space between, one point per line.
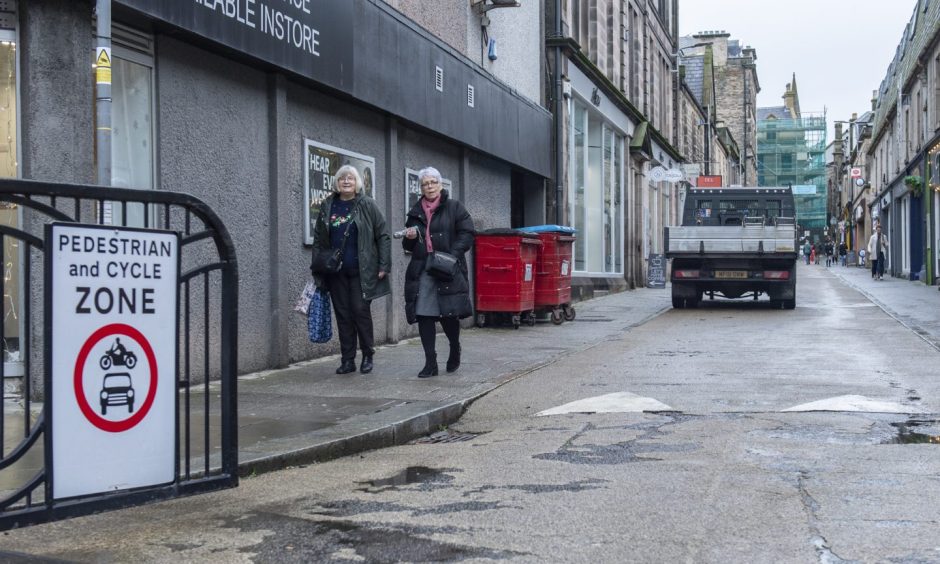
444 437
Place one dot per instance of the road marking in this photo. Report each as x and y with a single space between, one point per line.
618 402
854 403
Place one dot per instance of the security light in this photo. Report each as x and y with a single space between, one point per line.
484 6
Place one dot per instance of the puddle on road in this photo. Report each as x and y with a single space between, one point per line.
410 475
908 432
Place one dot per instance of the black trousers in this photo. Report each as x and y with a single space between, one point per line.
353 315
878 265
428 333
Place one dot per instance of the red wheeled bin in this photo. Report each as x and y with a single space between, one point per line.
553 271
504 269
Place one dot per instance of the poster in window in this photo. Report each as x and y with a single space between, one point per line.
413 188
320 165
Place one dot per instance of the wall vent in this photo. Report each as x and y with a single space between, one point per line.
470 96
439 79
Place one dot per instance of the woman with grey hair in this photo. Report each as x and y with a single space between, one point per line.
351 221
437 223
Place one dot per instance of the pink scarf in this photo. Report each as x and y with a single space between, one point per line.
429 207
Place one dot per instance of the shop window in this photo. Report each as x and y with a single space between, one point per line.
9 213
132 124
596 198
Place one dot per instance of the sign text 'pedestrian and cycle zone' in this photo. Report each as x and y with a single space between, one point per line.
113 359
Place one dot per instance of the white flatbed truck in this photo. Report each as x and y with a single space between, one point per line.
734 242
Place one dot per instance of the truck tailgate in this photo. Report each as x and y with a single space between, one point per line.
725 240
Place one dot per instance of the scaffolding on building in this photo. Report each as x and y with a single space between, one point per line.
792 152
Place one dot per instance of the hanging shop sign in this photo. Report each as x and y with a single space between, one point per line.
310 37
709 181
663 174
320 165
112 368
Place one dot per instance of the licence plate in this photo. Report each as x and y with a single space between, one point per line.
730 274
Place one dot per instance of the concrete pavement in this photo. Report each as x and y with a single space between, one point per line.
911 303
307 413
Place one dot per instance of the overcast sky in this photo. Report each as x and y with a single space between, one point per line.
839 49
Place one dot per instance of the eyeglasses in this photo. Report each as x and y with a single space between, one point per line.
429 183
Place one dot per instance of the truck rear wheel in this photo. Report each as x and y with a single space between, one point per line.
789 304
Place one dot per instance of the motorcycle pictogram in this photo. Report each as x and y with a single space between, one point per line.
117 355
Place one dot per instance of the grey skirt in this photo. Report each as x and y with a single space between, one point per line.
426 305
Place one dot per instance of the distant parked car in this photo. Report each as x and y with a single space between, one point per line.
117 389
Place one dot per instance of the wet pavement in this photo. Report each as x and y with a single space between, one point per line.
307 413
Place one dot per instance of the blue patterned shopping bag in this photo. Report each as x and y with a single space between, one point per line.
319 317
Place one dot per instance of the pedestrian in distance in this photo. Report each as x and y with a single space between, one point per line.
813 259
807 251
437 223
843 253
830 250
877 248
352 221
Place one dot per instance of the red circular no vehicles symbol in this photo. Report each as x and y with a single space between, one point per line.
120 388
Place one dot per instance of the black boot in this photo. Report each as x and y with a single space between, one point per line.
430 367
366 365
453 361
346 367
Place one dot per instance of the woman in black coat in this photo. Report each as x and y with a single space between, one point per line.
437 223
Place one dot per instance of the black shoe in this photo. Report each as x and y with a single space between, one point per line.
428 371
346 367
453 361
366 365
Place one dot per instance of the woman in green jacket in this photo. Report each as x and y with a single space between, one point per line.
352 221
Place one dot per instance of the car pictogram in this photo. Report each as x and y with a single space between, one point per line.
117 389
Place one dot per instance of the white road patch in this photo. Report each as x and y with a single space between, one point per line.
618 402
854 403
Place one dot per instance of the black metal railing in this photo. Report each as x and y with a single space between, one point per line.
206 418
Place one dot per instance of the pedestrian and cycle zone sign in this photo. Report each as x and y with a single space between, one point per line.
113 359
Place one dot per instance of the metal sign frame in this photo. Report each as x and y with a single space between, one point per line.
207 300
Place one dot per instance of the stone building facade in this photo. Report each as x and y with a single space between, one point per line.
736 88
718 153
904 155
611 63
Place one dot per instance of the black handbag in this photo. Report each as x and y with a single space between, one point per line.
442 266
327 261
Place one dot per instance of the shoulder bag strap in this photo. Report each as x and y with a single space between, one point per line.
349 224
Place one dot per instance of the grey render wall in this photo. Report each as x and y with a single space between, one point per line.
446 20
56 123
212 139
233 136
519 34
328 120
56 92
488 192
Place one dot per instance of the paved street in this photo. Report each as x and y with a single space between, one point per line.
773 436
